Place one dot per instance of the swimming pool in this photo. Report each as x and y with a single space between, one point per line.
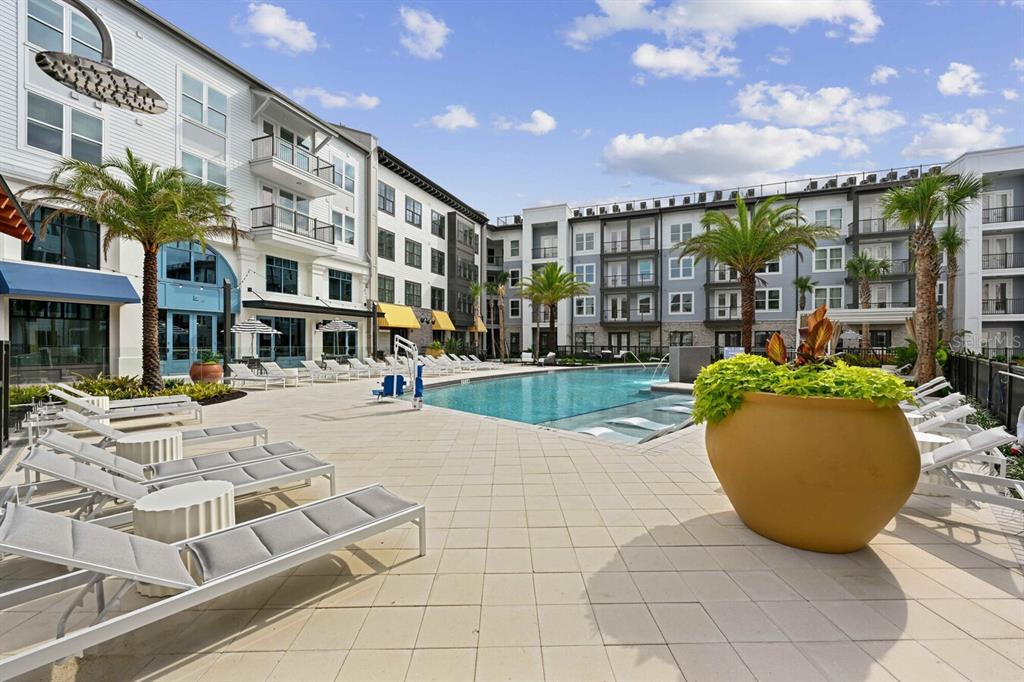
570 400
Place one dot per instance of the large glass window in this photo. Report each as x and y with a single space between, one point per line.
341 343
282 275
413 254
413 294
345 175
413 212
437 262
680 338
188 262
45 124
385 197
70 240
385 244
85 38
436 224
290 344
339 285
828 258
828 296
204 104
344 227
46 24
54 335
385 289
86 137
768 299
437 298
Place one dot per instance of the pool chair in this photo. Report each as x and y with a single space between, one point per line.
443 361
168 410
226 560
980 463
678 409
550 359
202 436
604 433
396 366
526 357
942 404
243 376
949 421
672 428
432 366
339 369
931 387
638 422
485 364
317 374
275 371
130 402
363 369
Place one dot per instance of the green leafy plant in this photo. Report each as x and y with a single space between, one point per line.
436 345
25 395
209 357
905 355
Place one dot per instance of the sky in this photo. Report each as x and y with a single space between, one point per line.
520 104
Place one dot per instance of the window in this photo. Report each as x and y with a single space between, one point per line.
940 294
188 262
514 276
515 308
761 339
386 244
86 137
828 296
768 299
437 262
585 272
464 303
465 232
339 285
828 258
584 241
413 212
46 24
679 232
345 175
513 248
344 227
583 339
385 289
413 294
680 338
681 302
44 129
467 270
290 343
771 267
203 104
881 338
70 240
204 171
832 217
437 224
643 339
413 254
645 271
644 304
680 268
282 275
341 343
49 334
585 306
385 197
437 298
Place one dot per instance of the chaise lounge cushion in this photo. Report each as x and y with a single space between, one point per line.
253 473
188 465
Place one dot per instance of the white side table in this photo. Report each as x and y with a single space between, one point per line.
100 401
291 376
151 447
180 512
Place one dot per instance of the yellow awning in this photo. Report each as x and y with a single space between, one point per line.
441 322
398 316
478 326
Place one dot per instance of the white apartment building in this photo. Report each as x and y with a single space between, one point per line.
303 191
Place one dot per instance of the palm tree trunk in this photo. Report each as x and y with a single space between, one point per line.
747 283
552 338
536 334
501 328
865 302
925 317
151 377
952 268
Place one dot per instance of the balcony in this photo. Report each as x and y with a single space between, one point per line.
289 228
287 165
871 227
880 305
724 312
638 315
898 268
639 280
543 252
1002 214
1002 261
615 246
1002 306
496 261
643 244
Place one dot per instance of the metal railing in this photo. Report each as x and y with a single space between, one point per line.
270 146
1002 214
615 246
876 226
545 252
503 220
635 279
643 244
724 312
613 352
292 221
899 267
1002 306
630 315
496 261
876 305
1002 261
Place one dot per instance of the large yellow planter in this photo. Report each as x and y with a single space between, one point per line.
824 474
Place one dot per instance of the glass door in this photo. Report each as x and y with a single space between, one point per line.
183 336
618 340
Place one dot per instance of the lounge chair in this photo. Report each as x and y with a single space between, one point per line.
381 367
604 433
203 436
275 371
130 402
133 412
979 448
433 366
679 409
485 364
339 369
638 422
931 387
317 374
945 403
362 368
550 359
229 559
948 421
241 374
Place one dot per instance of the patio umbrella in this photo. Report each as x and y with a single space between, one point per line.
254 327
336 326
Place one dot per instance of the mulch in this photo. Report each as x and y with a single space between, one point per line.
223 398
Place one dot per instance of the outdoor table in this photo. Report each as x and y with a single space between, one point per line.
180 512
291 376
150 447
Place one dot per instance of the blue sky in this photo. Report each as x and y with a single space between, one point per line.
515 104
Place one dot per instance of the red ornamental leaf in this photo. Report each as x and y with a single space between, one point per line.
816 317
775 349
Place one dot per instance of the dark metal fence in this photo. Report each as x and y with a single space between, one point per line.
989 382
5 400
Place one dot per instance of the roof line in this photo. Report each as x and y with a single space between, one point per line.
394 163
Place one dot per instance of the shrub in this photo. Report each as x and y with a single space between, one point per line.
25 395
197 391
121 388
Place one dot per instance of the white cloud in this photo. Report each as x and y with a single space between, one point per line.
835 110
780 56
456 116
1017 64
540 123
725 154
945 140
336 100
276 29
424 35
686 62
883 74
960 79
1010 94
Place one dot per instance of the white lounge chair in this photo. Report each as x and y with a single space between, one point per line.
485 364
678 409
361 368
432 366
129 402
638 422
275 371
339 369
241 374
950 420
227 560
526 357
604 433
202 436
318 374
946 403
130 412
980 450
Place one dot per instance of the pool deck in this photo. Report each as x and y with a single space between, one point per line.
554 556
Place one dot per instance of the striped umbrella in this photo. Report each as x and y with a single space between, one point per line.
336 326
254 327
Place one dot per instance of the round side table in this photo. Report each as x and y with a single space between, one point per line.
180 512
150 447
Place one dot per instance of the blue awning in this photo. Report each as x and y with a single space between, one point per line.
19 278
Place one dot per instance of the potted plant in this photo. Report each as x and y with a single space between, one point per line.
435 350
207 369
812 453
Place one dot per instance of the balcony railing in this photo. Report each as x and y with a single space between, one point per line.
1002 214
292 221
724 312
636 279
545 252
496 261
1002 306
876 305
1002 261
630 315
615 246
270 146
899 267
877 226
643 244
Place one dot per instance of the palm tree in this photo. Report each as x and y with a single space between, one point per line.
804 285
951 242
141 202
476 292
919 206
865 270
749 241
499 287
549 286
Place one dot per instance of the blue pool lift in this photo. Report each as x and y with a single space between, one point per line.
393 385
